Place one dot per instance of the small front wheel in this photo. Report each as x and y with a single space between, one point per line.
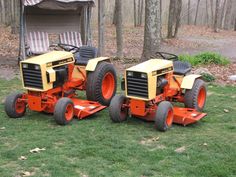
14 106
164 116
117 110
64 111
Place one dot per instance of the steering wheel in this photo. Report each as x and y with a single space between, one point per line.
67 47
167 56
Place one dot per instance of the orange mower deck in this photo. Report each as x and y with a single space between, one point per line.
186 116
84 108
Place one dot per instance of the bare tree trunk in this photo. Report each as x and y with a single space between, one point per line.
222 19
178 17
235 24
119 29
216 16
3 13
114 17
135 14
152 34
141 13
212 12
101 26
207 15
171 19
228 15
195 21
161 16
189 6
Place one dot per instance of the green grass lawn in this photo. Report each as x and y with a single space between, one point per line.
98 147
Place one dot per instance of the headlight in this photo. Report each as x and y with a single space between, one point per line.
130 74
24 65
144 76
37 67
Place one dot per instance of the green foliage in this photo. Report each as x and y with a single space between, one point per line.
98 147
208 77
205 58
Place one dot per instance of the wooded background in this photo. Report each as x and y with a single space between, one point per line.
194 12
152 15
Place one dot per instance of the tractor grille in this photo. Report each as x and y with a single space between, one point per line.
136 85
32 77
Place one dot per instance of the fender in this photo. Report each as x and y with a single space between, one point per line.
92 64
188 81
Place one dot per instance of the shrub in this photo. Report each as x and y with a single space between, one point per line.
208 78
205 58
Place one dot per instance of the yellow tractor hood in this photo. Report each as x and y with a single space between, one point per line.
53 56
152 65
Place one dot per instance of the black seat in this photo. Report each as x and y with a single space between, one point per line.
182 68
85 54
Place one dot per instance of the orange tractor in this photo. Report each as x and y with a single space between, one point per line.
152 86
52 79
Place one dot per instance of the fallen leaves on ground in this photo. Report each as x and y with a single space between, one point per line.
3 128
37 150
22 158
25 173
149 140
181 149
9 42
226 110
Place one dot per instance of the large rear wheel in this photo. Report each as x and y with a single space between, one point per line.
196 97
164 116
64 111
117 110
14 106
101 84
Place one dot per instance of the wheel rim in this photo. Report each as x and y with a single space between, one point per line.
108 85
123 111
169 118
69 112
201 97
20 107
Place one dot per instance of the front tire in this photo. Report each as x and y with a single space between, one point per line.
64 111
196 97
15 108
164 116
101 84
117 112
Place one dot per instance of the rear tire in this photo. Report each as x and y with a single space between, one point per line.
101 84
118 113
196 97
164 116
14 108
64 111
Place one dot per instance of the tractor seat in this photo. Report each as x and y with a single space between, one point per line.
181 68
85 54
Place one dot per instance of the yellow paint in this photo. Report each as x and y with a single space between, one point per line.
77 72
52 75
45 62
92 64
188 81
150 67
49 57
173 83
